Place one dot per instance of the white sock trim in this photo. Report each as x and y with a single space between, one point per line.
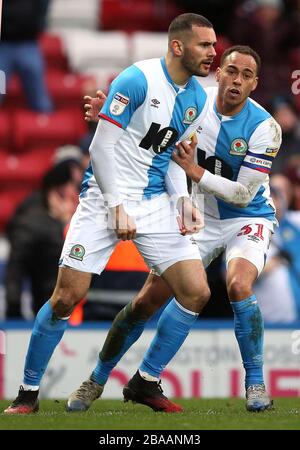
28 387
184 309
147 377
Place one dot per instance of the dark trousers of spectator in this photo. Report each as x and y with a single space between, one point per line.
26 60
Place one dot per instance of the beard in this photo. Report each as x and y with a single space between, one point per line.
191 65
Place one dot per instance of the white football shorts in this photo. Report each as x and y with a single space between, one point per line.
91 240
244 237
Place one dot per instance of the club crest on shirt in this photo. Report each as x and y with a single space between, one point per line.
190 115
118 104
238 147
77 252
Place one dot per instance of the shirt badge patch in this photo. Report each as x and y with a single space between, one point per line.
238 147
190 115
118 104
271 151
77 252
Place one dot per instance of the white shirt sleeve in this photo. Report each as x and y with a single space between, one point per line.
263 147
103 162
240 192
175 180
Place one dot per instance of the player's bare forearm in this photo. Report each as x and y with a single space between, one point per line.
195 172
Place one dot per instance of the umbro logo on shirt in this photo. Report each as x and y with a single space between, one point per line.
155 102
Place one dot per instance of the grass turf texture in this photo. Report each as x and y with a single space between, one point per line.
199 414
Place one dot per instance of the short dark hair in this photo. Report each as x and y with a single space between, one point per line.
184 23
58 175
244 50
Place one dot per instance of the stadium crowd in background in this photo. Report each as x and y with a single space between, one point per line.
36 233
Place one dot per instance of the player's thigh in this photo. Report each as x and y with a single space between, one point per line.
72 285
89 241
162 250
250 240
177 260
187 279
158 238
241 274
210 240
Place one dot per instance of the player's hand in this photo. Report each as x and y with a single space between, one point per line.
62 204
190 220
123 224
185 157
93 105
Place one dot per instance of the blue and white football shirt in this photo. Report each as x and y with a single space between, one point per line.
155 114
251 139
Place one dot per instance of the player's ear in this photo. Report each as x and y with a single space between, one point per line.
254 84
177 47
217 74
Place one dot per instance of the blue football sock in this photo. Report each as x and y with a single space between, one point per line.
249 331
46 334
125 330
172 329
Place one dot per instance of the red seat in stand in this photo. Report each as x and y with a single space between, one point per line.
24 169
5 129
9 200
67 89
53 51
36 130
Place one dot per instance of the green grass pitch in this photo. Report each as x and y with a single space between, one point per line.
199 414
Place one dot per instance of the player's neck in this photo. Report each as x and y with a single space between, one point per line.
228 110
177 73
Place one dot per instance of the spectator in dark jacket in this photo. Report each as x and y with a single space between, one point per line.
36 236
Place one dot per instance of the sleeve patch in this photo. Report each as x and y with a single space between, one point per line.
271 152
118 104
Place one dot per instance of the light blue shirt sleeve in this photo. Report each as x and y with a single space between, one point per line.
127 92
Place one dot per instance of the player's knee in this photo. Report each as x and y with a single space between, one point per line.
199 298
205 296
145 305
152 296
142 307
64 301
238 288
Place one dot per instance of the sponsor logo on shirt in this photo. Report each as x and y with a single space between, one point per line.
238 147
155 102
118 104
253 238
190 115
260 162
